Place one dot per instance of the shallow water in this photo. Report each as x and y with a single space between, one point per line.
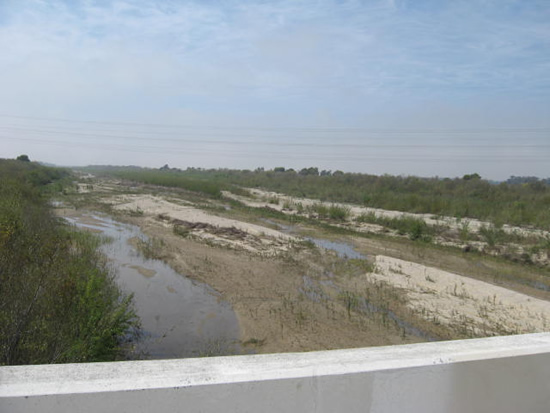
342 249
179 317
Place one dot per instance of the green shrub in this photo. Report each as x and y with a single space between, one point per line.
59 301
338 213
491 235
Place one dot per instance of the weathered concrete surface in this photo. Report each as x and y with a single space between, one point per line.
502 374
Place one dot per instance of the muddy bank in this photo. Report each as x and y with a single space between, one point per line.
269 297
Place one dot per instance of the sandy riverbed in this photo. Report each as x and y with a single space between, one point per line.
265 275
253 238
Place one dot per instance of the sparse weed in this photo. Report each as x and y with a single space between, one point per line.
182 231
320 209
137 212
216 348
254 342
350 301
339 213
415 228
464 231
151 248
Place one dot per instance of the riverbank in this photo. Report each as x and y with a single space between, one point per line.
179 317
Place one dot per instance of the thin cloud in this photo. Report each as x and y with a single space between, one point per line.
320 62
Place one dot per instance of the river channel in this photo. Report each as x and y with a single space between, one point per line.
179 316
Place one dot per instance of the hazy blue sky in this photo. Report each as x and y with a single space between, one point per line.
402 87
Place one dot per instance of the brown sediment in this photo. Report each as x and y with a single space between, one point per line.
266 293
146 272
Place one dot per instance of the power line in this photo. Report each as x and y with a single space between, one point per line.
264 143
289 128
287 155
277 143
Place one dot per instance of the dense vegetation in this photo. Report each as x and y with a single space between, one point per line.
58 300
163 177
517 202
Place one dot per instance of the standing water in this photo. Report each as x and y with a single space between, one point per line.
179 317
342 249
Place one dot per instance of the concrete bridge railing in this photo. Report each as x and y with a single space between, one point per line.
500 374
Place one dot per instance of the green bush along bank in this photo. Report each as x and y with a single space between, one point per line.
59 301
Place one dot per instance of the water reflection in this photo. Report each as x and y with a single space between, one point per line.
180 317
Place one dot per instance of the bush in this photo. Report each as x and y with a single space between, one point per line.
491 235
338 212
58 299
415 228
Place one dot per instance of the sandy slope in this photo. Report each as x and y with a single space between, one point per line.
463 302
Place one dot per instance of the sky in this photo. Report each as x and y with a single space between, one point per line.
405 87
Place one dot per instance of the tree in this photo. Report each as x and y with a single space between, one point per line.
471 177
23 158
309 171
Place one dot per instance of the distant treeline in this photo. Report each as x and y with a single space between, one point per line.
172 178
520 180
515 202
58 300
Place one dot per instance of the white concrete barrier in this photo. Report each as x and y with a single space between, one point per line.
500 374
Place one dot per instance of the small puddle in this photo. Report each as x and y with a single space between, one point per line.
538 285
179 317
342 249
